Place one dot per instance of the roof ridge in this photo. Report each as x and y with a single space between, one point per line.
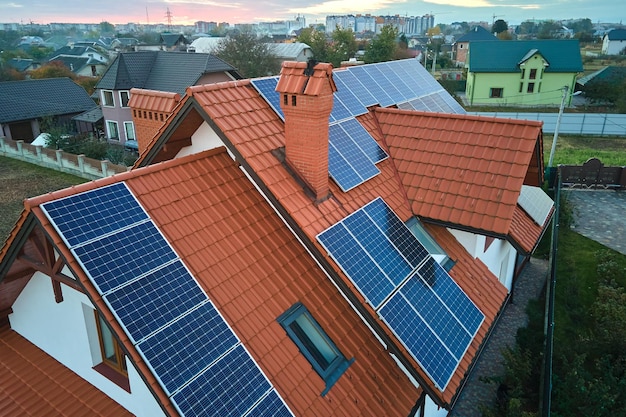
475 117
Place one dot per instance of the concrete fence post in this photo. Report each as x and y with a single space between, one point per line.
38 152
105 167
81 163
59 154
20 147
2 144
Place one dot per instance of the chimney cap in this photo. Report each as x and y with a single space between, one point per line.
305 78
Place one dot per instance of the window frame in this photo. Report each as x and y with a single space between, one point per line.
132 129
119 365
122 100
105 93
335 367
117 129
533 74
492 90
530 88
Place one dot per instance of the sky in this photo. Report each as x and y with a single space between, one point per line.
186 12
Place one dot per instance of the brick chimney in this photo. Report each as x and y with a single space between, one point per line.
150 109
306 98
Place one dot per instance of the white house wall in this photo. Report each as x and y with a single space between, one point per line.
433 410
66 332
499 257
204 138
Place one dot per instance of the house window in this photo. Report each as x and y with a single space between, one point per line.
533 73
523 72
107 98
112 130
314 344
112 353
129 128
495 93
124 97
521 86
531 88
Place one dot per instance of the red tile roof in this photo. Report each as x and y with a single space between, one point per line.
254 269
459 169
159 101
33 383
293 79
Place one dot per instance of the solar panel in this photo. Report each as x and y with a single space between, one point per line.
339 112
352 83
229 387
347 97
379 77
428 312
364 140
349 166
116 259
85 216
146 304
165 313
536 203
372 86
267 88
393 72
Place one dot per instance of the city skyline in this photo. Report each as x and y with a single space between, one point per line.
186 12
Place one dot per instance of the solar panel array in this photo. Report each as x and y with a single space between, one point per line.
428 312
404 83
194 354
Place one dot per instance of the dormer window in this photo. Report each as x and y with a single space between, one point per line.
315 345
533 73
107 98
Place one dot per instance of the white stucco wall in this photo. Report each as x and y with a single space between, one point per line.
499 257
432 410
203 139
66 332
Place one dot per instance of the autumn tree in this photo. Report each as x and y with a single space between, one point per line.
252 57
54 69
343 46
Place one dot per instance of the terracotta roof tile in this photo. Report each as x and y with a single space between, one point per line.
33 383
159 101
433 154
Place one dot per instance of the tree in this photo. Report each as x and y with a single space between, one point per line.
251 57
106 27
383 47
499 26
316 39
343 46
54 69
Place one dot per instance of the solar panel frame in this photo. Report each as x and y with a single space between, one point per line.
272 405
391 70
352 154
387 86
362 138
75 223
339 111
201 397
372 86
351 82
341 171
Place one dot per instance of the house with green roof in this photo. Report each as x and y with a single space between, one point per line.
461 45
521 73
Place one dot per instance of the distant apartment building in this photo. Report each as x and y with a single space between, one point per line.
204 27
409 25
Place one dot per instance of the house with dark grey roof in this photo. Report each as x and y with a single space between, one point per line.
283 246
72 51
152 70
82 66
23 104
614 42
461 45
521 73
23 64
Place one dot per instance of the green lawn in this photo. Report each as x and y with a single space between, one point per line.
575 150
20 180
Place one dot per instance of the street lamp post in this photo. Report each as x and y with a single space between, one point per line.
558 122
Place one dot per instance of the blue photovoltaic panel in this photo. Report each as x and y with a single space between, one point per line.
339 112
347 97
364 140
116 259
180 351
82 217
147 304
393 72
372 86
228 388
356 263
396 231
341 171
351 82
379 77
353 155
448 290
267 88
419 339
270 406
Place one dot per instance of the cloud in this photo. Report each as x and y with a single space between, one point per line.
339 7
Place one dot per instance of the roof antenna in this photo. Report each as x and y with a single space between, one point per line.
311 63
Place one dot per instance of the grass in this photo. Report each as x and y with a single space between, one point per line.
575 150
20 180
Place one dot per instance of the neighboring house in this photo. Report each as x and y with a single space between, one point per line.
610 74
174 41
296 51
614 42
461 45
227 274
205 45
23 104
522 73
92 54
152 70
23 64
86 67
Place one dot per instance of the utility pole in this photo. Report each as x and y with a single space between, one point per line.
558 124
